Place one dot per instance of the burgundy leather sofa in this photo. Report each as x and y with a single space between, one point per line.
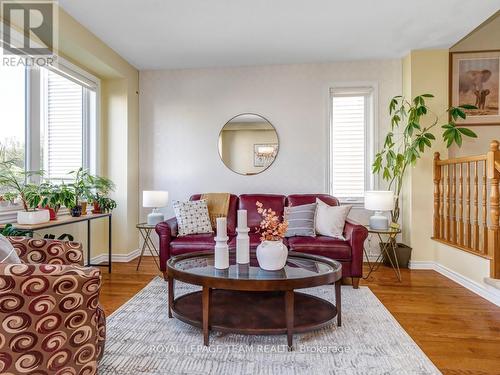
348 252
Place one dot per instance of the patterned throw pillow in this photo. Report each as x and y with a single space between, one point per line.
301 220
192 217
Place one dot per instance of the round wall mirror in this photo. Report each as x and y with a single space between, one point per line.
248 144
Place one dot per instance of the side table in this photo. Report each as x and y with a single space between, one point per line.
145 230
386 246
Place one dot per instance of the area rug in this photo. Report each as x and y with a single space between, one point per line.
141 339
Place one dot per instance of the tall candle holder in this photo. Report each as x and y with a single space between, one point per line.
242 240
221 248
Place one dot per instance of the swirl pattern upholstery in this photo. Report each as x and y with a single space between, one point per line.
50 318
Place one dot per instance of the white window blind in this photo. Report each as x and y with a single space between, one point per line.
63 126
349 148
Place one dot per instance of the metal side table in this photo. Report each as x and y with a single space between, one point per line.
145 230
386 246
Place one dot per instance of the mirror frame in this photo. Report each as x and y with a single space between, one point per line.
220 134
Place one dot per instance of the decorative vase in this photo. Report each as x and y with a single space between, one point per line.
272 255
33 217
76 211
84 208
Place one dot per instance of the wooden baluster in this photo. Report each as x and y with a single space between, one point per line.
484 213
453 204
441 204
460 206
447 218
493 160
467 207
437 195
476 209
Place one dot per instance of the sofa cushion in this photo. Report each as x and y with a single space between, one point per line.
192 242
231 212
329 247
192 217
301 220
330 220
300 199
8 254
247 202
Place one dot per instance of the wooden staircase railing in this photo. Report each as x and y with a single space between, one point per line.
467 204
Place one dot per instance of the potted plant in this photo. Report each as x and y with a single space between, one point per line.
56 196
14 179
102 186
408 140
271 252
81 186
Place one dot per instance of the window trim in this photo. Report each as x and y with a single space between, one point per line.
371 139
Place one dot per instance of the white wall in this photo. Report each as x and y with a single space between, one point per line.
182 112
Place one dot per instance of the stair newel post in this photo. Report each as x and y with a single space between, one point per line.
493 174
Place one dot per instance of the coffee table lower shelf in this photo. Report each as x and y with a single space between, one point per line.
255 313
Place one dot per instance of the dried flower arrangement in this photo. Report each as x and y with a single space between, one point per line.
271 229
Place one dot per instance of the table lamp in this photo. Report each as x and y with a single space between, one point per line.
379 201
154 199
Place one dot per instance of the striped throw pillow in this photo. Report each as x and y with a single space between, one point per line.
301 220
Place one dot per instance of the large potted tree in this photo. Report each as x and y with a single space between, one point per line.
408 140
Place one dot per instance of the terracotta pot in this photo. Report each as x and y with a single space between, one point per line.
96 209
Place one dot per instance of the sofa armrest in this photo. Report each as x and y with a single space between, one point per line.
166 230
356 235
45 251
56 308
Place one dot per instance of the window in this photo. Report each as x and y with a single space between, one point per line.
350 143
48 119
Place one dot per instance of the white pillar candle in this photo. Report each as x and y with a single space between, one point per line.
221 227
242 219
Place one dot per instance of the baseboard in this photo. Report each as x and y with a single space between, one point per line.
119 258
489 293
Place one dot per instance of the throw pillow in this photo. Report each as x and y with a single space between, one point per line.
7 252
301 220
330 220
192 217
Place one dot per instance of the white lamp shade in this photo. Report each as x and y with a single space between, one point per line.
154 198
379 200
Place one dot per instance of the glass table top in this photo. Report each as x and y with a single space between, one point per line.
297 267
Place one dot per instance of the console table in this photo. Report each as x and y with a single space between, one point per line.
67 220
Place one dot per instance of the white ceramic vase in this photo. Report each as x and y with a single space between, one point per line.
272 255
33 217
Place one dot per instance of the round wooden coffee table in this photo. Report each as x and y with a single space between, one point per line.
246 299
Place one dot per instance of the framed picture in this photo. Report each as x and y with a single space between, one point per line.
264 154
475 79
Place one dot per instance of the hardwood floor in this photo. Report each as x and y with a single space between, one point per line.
458 330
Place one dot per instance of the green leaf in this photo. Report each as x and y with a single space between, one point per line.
458 138
461 113
386 174
427 95
429 136
467 132
467 106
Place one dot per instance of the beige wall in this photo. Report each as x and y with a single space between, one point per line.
118 136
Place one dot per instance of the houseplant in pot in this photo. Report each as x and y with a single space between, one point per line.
56 196
412 133
271 252
102 186
81 187
15 180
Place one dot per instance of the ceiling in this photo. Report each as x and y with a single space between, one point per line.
170 34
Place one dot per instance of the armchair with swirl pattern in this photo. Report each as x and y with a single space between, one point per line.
50 318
